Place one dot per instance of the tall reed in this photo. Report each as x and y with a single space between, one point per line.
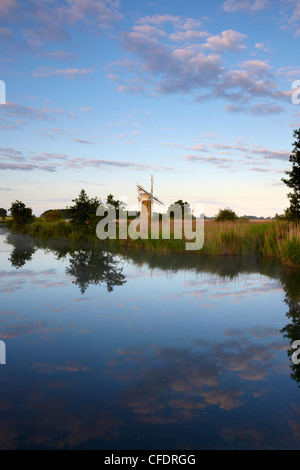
269 239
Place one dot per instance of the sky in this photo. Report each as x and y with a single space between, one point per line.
100 94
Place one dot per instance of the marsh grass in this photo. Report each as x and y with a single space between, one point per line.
269 239
289 247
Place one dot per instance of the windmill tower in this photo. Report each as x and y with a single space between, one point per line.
146 199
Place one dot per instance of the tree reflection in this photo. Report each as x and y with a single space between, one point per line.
90 265
24 249
291 331
87 264
94 267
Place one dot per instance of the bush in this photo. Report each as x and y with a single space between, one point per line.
226 215
54 215
280 217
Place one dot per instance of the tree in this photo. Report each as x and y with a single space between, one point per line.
118 205
225 215
3 213
179 203
21 214
293 180
83 212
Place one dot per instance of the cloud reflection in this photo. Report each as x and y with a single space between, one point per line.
171 384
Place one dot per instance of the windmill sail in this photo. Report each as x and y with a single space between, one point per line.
142 190
147 198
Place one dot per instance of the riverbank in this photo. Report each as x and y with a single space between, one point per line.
269 239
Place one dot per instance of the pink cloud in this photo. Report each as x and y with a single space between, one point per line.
7 6
15 160
228 40
181 36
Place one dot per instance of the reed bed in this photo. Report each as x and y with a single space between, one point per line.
270 239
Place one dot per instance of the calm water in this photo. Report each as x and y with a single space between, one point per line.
144 351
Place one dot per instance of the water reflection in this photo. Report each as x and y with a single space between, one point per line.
23 250
149 366
94 267
291 284
88 266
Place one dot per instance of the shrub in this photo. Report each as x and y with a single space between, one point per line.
54 215
225 215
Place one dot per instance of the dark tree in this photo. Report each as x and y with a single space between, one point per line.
182 205
83 212
293 180
3 213
118 205
21 214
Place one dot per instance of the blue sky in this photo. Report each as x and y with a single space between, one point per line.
102 94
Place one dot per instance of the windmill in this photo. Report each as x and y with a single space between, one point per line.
146 198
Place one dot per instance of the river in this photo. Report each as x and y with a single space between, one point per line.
136 350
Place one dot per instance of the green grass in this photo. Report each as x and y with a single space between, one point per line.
276 239
272 239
